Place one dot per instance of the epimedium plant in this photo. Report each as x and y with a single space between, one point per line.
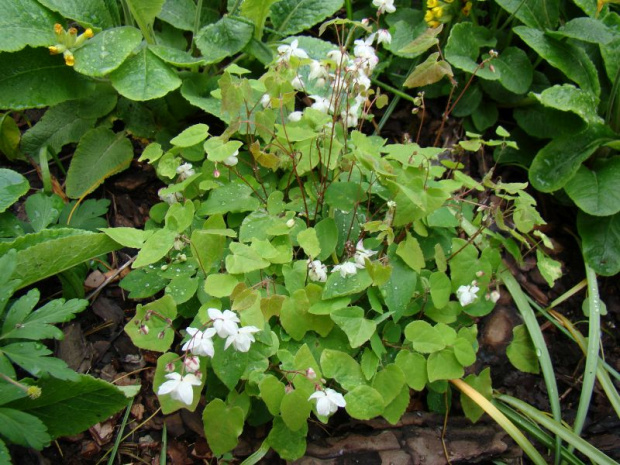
306 266
549 70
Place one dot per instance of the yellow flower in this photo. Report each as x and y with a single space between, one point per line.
431 4
54 50
448 1
428 16
437 11
69 58
88 33
467 8
433 24
58 28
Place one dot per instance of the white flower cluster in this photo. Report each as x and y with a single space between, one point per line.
348 76
317 271
467 294
226 326
327 401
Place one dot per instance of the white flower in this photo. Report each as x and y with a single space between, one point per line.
232 160
242 339
384 6
384 37
317 271
295 116
180 387
192 363
298 83
265 101
225 323
201 342
293 50
495 295
338 56
362 253
467 294
169 198
185 171
363 48
346 269
328 401
320 103
317 71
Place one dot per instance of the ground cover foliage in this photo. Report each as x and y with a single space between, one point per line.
298 263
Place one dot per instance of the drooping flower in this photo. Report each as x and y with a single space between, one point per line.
169 198
317 271
265 101
298 83
180 387
361 254
295 116
328 401
384 6
384 36
467 294
185 171
232 160
242 339
288 51
225 323
192 363
201 342
320 103
346 269
317 71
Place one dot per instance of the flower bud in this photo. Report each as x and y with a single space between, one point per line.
495 295
290 223
480 273
192 363
144 329
216 173
289 388
58 29
161 335
310 373
169 367
34 392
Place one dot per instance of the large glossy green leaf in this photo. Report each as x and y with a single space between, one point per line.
292 16
52 251
560 159
89 13
568 58
179 13
597 191
601 242
463 49
70 407
290 445
12 186
100 154
32 78
540 14
585 29
516 71
224 38
24 23
144 13
106 51
144 77
567 97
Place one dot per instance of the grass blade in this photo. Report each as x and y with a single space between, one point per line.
558 429
501 419
119 436
529 318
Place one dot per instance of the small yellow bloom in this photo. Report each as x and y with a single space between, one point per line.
58 28
448 1
54 50
437 11
431 4
69 58
467 8
73 31
88 33
428 16
33 392
433 24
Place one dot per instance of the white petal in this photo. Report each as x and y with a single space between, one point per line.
185 393
167 387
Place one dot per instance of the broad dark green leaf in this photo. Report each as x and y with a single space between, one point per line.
568 58
567 97
91 13
560 159
223 39
32 78
290 445
106 51
35 358
70 407
12 186
292 16
601 242
597 191
10 136
257 11
100 154
144 77
24 23
463 49
540 14
179 13
516 71
585 29
23 429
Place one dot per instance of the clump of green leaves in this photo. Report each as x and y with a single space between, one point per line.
309 266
